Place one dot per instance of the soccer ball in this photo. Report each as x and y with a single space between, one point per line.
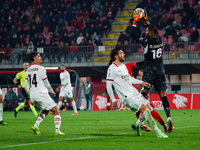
82 108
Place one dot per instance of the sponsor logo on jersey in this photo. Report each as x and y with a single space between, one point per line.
180 101
125 77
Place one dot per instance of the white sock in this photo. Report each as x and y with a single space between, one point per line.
57 121
40 118
150 121
74 106
140 120
59 104
1 111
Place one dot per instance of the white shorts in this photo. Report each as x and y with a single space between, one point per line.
135 102
66 93
44 102
0 92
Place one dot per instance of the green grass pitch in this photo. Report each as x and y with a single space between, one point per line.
98 130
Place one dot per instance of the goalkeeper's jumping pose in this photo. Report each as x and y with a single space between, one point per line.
154 72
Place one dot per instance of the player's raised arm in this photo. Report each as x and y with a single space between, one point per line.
137 15
139 63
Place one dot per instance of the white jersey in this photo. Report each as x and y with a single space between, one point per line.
122 81
65 81
0 92
36 75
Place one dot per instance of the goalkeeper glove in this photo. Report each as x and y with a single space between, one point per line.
146 23
137 15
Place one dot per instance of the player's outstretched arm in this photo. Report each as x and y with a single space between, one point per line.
15 80
146 84
135 81
137 15
139 63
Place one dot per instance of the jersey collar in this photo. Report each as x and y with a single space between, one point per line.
116 64
63 71
35 64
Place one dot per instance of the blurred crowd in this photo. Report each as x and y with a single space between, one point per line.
26 24
177 20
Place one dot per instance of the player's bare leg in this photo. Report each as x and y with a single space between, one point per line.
26 103
74 105
32 108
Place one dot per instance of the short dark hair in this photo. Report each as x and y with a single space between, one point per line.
33 54
153 28
25 62
61 66
142 70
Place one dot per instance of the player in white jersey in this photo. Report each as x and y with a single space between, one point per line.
39 90
1 109
119 78
66 89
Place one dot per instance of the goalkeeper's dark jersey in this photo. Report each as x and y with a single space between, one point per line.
152 49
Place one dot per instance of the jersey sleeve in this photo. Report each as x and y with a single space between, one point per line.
111 74
130 67
137 38
43 73
18 76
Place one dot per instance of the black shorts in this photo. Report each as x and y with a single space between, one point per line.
25 94
156 77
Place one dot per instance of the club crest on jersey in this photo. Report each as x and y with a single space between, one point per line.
109 75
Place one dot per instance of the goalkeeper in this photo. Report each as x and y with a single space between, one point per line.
154 72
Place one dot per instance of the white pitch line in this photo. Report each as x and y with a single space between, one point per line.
81 138
73 139
186 127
